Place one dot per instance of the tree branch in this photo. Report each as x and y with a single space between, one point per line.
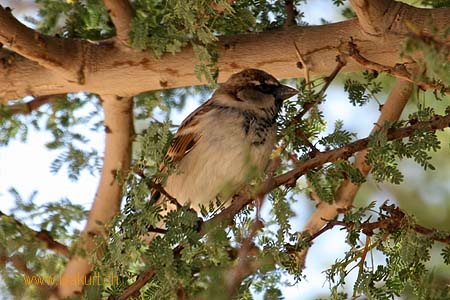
32 105
345 194
107 69
375 16
291 13
57 54
391 222
119 133
399 71
121 13
42 235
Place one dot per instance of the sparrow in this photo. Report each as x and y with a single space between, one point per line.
226 142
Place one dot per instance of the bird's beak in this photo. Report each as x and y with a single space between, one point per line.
284 92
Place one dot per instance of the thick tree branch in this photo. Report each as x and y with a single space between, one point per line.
107 69
42 235
345 194
119 133
376 16
121 13
57 54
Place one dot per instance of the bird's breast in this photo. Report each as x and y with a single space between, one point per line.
231 150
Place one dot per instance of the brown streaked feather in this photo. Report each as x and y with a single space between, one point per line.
184 142
181 145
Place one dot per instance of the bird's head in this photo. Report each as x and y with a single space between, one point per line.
256 88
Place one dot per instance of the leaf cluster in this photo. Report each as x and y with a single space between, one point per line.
406 253
359 93
86 19
383 156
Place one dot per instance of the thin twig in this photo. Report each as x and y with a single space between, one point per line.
42 235
155 186
362 260
299 132
301 64
245 265
32 105
308 106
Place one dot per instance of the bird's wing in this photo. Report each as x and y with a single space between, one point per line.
186 138
181 145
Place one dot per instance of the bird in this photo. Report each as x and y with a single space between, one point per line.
226 142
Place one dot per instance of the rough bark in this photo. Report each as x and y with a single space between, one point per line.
105 68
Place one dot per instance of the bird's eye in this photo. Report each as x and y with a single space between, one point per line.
266 88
